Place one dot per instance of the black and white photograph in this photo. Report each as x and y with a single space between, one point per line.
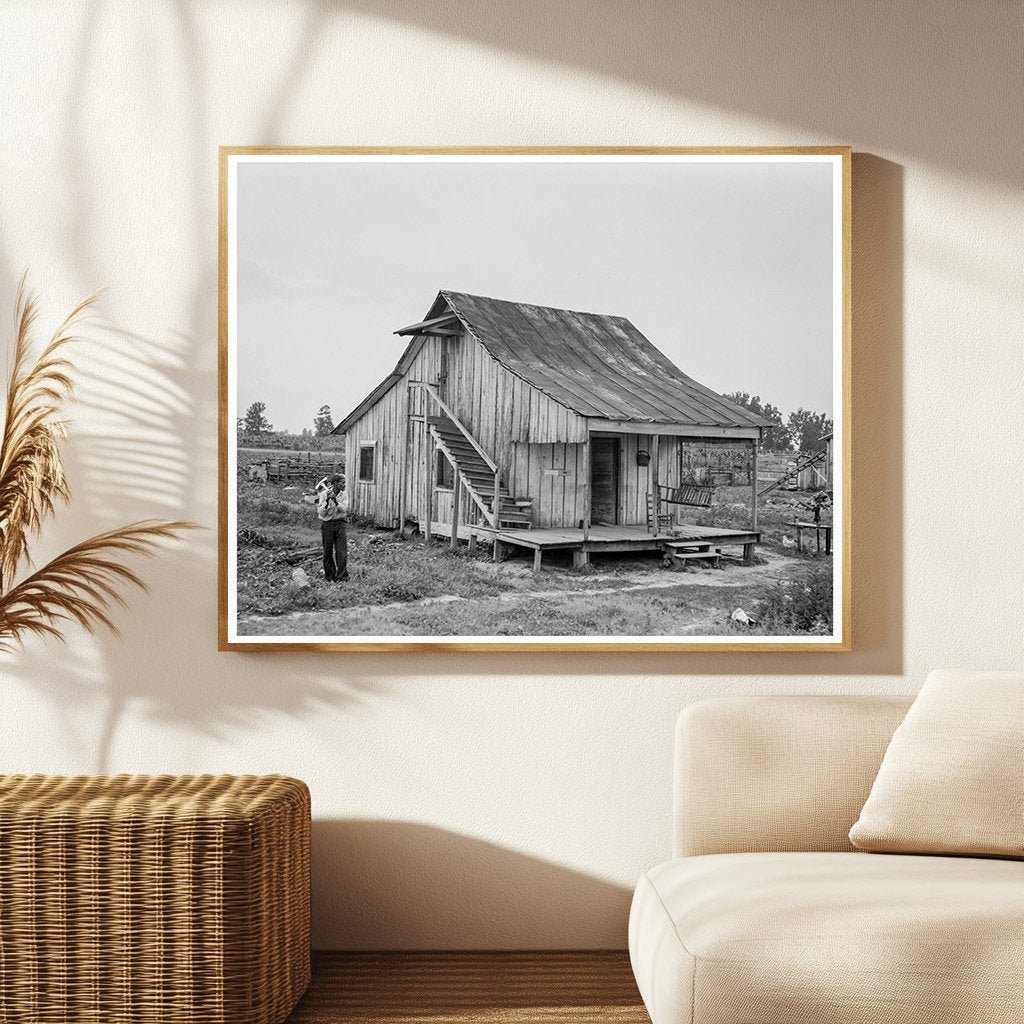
580 399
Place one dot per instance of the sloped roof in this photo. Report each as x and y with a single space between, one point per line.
596 365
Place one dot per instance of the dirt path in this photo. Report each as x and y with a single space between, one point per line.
309 623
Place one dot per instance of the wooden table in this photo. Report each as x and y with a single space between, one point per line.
818 529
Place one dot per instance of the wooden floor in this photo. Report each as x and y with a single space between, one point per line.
623 537
471 988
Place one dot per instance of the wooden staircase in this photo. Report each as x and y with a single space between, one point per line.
803 461
515 513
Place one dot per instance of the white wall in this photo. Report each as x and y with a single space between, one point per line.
479 800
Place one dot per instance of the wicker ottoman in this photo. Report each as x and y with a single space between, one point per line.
137 900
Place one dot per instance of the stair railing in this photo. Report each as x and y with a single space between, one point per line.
446 409
803 461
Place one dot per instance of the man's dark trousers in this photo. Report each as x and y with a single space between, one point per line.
335 549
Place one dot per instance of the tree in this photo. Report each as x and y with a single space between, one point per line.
776 437
323 423
807 429
255 420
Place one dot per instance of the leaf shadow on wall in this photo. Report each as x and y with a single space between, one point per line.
142 459
406 885
903 78
143 440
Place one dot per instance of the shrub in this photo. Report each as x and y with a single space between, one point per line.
802 604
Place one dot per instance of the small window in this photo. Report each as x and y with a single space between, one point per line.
444 476
366 463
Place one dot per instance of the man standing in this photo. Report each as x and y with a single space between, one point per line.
331 509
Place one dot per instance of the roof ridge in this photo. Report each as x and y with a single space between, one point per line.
533 305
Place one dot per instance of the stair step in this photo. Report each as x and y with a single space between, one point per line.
515 511
477 484
454 437
459 444
714 557
464 450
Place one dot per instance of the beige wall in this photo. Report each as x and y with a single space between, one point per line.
480 800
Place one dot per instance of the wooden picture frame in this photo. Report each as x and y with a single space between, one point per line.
484 509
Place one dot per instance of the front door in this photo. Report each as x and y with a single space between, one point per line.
604 480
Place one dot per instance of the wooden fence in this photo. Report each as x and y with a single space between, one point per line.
297 467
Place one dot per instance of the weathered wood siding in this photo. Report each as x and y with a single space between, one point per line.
497 406
386 423
537 444
553 475
508 418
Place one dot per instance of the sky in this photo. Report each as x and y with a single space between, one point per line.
725 267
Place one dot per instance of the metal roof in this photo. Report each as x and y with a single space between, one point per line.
594 364
597 365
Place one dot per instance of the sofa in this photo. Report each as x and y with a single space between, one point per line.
768 914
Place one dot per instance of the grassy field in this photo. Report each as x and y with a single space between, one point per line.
402 587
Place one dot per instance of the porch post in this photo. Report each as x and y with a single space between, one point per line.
496 512
580 555
403 460
428 478
456 493
655 483
586 489
753 484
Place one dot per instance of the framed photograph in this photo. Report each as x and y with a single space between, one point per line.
510 399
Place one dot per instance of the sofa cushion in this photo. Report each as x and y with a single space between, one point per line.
830 938
950 780
774 774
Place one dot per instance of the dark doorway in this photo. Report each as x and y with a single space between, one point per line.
604 480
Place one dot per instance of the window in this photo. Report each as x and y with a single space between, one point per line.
444 475
366 462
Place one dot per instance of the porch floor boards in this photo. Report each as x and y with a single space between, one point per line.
633 537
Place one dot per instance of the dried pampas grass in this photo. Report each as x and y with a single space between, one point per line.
82 584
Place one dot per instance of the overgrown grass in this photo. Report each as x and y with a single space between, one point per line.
379 574
563 615
389 575
799 605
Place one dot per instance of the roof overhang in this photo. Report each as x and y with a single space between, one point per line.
674 429
448 325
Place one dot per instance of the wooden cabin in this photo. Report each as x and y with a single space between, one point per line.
574 420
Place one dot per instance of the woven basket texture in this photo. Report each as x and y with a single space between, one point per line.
143 899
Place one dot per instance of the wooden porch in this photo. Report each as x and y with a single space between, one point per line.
615 539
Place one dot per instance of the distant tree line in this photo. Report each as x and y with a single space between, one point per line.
802 431
255 422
